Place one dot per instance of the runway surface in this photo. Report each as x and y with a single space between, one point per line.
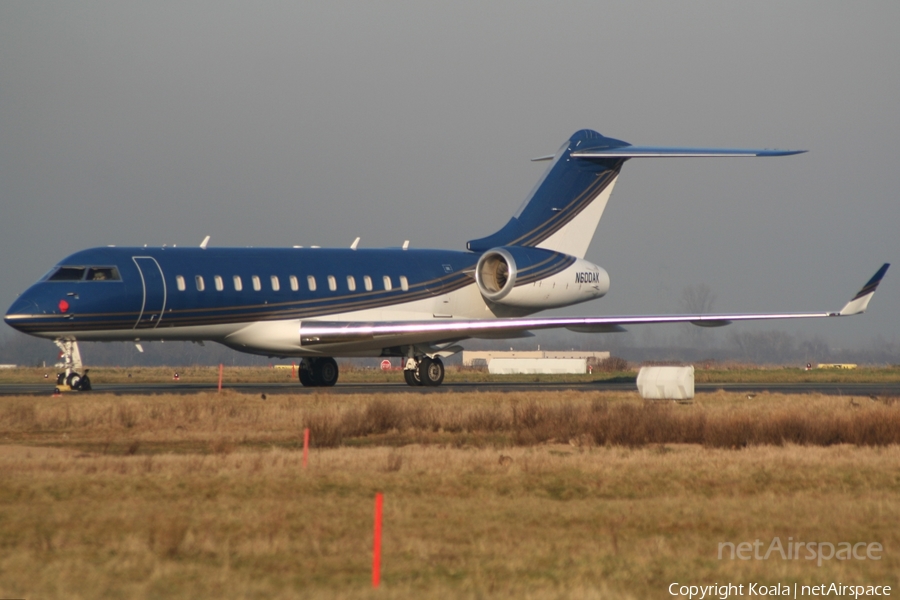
838 389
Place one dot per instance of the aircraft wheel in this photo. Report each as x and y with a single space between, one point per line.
431 371
74 381
60 378
85 384
305 373
411 377
326 370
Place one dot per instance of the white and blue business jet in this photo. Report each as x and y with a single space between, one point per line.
317 303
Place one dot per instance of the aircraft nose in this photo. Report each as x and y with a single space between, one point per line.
22 308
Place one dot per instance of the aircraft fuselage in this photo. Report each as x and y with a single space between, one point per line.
256 299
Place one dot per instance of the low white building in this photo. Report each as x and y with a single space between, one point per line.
516 366
473 358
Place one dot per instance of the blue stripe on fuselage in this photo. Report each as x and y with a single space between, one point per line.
123 305
117 305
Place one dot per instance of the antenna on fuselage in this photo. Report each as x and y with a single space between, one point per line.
354 244
405 244
204 242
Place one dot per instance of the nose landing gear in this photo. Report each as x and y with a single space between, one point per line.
70 380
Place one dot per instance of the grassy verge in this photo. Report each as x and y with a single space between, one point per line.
206 495
210 375
204 422
553 523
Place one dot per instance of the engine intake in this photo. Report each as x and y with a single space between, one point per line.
535 278
496 274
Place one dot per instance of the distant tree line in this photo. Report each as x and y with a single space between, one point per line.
676 343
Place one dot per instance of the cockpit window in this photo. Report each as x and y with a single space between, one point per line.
67 274
103 274
86 273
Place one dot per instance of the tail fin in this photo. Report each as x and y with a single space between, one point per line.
568 189
564 208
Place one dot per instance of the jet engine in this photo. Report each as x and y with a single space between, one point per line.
534 278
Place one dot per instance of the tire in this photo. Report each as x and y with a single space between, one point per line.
85 384
431 371
74 381
305 373
411 377
326 371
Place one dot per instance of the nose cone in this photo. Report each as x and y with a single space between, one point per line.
20 311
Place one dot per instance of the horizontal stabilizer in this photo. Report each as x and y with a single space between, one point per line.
674 152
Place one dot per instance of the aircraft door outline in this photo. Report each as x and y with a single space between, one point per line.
154 292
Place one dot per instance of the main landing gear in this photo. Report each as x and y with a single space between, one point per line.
419 370
318 372
70 380
424 371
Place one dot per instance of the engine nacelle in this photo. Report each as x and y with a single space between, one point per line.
534 278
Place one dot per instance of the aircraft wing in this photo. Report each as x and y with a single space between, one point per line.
392 333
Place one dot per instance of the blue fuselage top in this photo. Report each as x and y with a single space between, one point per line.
141 288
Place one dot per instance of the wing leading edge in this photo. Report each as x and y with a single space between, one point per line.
313 333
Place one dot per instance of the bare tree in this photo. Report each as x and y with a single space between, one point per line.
696 299
763 347
815 350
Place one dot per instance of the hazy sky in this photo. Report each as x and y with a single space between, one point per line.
273 124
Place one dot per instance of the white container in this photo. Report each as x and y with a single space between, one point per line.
671 383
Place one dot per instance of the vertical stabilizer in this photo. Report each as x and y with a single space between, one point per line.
564 208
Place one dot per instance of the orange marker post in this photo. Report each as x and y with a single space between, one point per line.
305 446
220 377
376 547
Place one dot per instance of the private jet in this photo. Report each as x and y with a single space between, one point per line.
321 303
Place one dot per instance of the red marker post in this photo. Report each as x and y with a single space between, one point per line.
305 446
220 377
376 546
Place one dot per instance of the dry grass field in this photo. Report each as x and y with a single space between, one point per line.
704 373
558 495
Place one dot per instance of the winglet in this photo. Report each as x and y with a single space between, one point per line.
861 299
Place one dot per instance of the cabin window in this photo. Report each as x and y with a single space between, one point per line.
404 283
238 284
311 283
367 281
179 281
67 274
351 283
332 283
295 285
198 279
387 282
276 285
220 285
256 284
103 274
